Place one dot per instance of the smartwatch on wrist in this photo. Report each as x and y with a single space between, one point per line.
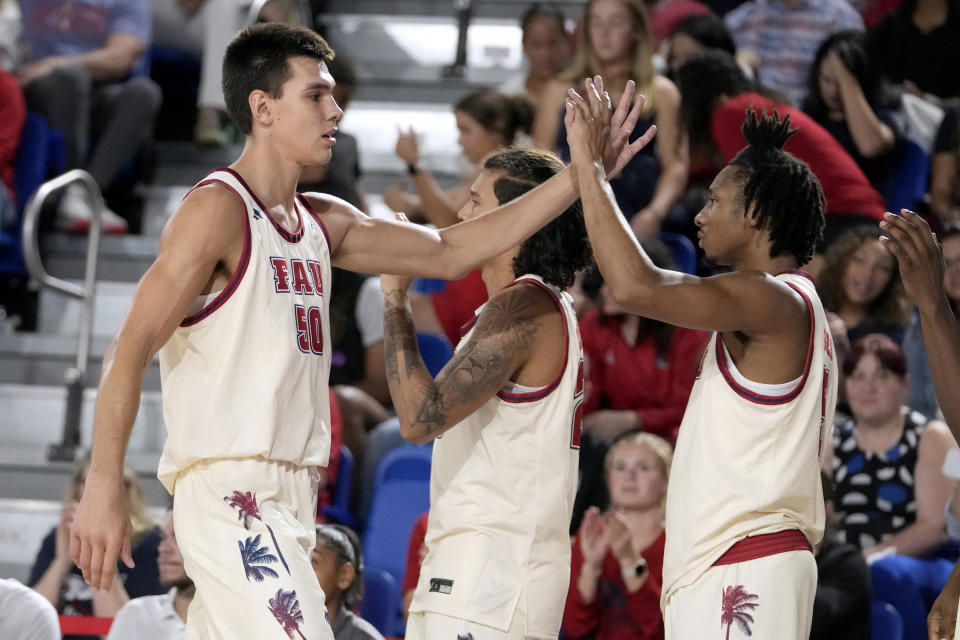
412 168
634 571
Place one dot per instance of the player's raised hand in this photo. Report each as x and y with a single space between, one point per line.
101 530
587 120
622 123
918 255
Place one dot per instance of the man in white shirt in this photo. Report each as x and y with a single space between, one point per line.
159 617
25 614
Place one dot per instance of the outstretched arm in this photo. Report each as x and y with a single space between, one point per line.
387 246
752 302
498 346
921 269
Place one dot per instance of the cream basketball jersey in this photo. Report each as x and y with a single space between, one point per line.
245 375
501 494
747 463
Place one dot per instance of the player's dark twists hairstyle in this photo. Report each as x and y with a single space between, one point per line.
542 10
560 249
498 112
785 195
256 59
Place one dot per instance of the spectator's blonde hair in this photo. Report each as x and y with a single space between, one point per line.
642 71
140 518
660 447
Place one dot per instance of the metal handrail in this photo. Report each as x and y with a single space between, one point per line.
74 377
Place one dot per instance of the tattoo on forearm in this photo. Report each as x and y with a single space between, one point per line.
505 329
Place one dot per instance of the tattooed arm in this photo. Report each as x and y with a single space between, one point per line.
501 343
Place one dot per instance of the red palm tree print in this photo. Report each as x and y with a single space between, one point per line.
246 505
735 607
286 609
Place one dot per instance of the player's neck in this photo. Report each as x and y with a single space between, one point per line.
271 176
759 259
498 272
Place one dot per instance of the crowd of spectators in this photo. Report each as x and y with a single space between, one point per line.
845 74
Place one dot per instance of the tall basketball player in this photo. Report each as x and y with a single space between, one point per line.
744 506
236 303
504 473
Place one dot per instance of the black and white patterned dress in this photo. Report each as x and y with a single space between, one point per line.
875 491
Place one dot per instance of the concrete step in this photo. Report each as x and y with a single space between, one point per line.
122 258
43 358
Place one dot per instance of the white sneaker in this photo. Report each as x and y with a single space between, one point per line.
74 214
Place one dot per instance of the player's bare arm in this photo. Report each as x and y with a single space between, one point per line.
751 302
501 343
200 246
921 269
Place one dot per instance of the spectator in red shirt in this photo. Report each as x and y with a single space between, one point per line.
716 95
617 558
640 371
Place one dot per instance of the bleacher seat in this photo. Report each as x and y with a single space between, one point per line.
907 182
407 462
435 350
684 253
338 510
381 600
885 622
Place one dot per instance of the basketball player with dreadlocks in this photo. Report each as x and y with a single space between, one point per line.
744 505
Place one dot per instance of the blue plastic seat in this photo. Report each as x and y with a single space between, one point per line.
406 462
907 183
435 350
684 253
396 506
339 509
885 622
381 600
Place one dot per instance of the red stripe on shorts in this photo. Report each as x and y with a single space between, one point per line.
768 544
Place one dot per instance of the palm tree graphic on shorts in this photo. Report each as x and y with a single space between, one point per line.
255 558
246 505
286 610
734 607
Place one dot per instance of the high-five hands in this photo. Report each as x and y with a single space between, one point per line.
597 135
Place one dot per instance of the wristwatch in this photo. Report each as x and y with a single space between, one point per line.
412 168
634 571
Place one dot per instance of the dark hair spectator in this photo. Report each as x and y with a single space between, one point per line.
338 562
694 34
847 98
615 41
546 46
83 72
665 15
916 46
945 170
891 494
860 283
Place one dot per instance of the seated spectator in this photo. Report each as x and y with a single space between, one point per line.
487 120
923 397
945 170
890 492
615 42
694 34
546 47
665 15
81 73
846 98
13 110
716 95
416 552
916 46
640 370
159 617
25 614
59 580
204 28
860 283
617 556
338 563
841 607
341 176
778 39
